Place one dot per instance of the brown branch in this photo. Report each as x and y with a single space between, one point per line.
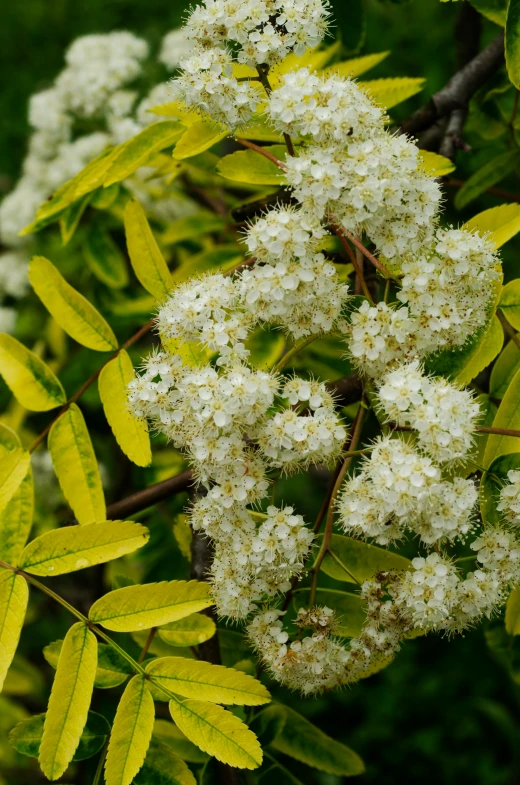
515 337
353 258
77 395
478 428
256 147
340 230
459 90
453 183
141 500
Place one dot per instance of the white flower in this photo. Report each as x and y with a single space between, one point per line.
429 592
510 498
497 550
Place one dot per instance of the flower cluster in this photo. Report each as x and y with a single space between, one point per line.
443 416
509 503
256 33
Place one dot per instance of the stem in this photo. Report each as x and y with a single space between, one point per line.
262 151
147 645
352 256
478 428
325 545
264 80
133 339
99 770
290 354
507 327
366 253
453 183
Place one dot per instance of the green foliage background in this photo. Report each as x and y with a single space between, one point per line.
445 711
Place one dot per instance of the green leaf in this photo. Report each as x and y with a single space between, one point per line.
70 218
508 416
69 702
163 767
104 258
14 596
504 370
150 605
199 136
217 732
435 165
170 734
147 260
139 148
219 259
75 547
76 466
248 166
30 380
23 678
192 227
512 42
215 683
265 347
510 303
297 737
349 608
131 434
14 466
112 669
70 309
26 737
503 222
390 92
488 175
103 198
357 65
363 560
513 613
131 734
494 10
189 631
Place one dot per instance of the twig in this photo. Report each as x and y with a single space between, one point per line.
352 256
256 147
325 545
149 641
454 183
366 253
295 349
459 90
140 500
515 337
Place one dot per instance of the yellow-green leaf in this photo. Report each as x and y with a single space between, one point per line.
510 303
163 767
483 353
139 148
513 613
69 701
189 631
112 669
131 434
357 65
434 164
192 227
147 260
512 42
170 734
247 166
313 59
16 520
70 218
30 380
393 91
14 595
75 547
76 466
199 136
149 605
69 308
495 10
215 683
131 734
504 370
508 416
217 732
502 222
14 465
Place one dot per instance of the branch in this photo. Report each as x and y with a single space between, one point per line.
262 151
460 89
140 500
453 183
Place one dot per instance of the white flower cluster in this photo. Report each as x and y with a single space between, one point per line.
509 503
399 489
443 415
225 419
251 562
258 33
